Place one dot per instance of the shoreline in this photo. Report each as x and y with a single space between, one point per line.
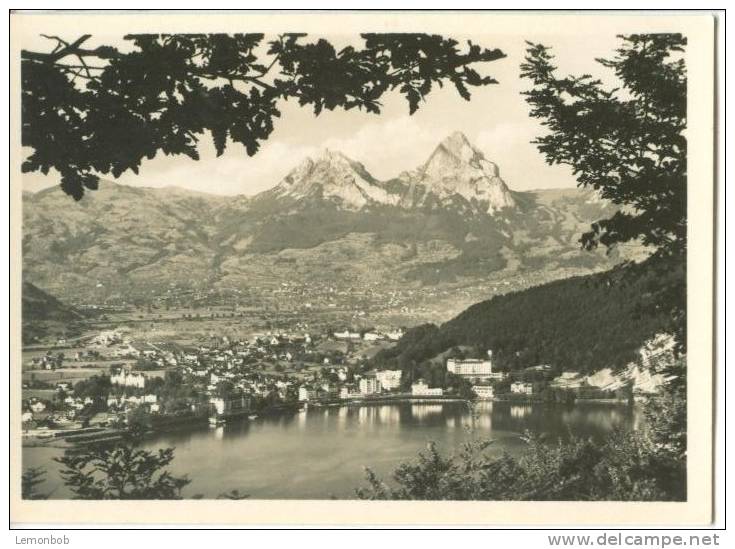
56 439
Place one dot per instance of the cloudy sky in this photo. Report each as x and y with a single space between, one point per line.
496 120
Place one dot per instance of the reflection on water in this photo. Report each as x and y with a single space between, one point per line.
422 412
485 406
323 452
519 411
390 414
484 422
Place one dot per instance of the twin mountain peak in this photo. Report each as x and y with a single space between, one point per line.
456 174
456 177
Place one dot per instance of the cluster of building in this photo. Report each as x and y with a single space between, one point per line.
373 384
48 361
126 378
479 372
358 387
380 382
373 335
228 375
65 410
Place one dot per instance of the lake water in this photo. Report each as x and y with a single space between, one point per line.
322 453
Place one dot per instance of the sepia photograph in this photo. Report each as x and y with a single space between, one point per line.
316 263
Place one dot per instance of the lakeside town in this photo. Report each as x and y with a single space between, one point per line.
112 384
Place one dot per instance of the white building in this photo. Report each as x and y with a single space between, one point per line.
521 388
306 394
420 388
347 393
389 379
347 335
232 405
369 386
473 368
372 336
128 379
395 335
484 392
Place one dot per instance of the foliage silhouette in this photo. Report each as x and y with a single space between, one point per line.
30 480
103 110
629 144
579 323
120 471
648 464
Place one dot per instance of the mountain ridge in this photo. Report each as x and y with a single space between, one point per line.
328 222
456 174
455 169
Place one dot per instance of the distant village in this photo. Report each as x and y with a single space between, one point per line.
158 385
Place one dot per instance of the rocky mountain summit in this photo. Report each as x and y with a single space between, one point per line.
456 175
335 177
451 222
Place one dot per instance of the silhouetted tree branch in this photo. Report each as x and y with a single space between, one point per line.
30 480
629 145
87 112
120 471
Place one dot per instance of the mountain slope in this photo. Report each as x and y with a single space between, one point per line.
452 223
117 234
578 324
44 316
40 305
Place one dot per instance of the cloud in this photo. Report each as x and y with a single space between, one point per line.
522 167
386 148
389 147
496 120
232 173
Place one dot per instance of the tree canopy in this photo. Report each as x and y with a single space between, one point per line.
120 471
629 144
579 323
646 464
92 111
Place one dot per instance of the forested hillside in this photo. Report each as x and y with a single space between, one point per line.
39 305
44 315
583 323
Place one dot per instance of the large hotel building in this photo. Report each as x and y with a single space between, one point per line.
472 368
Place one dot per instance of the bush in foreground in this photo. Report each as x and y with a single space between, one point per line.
648 464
